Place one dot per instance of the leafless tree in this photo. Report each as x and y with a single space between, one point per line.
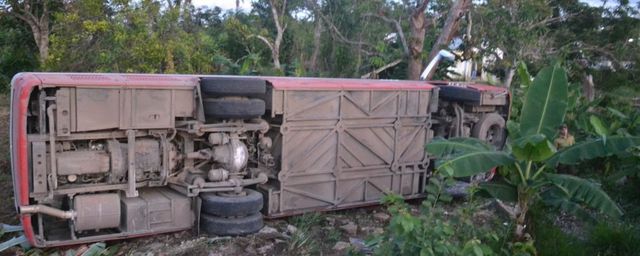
278 9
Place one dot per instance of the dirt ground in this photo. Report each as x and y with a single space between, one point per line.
334 233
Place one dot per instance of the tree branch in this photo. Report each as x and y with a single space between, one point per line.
550 20
383 68
263 39
398 28
336 32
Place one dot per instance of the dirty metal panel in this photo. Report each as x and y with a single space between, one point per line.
97 109
344 148
152 109
184 103
108 108
146 109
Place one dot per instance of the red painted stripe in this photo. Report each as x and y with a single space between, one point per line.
290 83
24 88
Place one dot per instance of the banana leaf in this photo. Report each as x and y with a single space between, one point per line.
598 126
545 103
556 198
442 147
533 147
523 74
469 164
593 149
586 192
499 190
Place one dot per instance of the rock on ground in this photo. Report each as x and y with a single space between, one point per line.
350 228
340 246
381 216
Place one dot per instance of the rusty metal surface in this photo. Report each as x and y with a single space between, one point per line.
346 148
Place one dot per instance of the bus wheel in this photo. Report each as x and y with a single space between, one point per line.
248 203
490 128
222 226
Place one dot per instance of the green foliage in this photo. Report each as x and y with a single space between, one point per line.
523 74
434 231
17 50
527 176
551 240
585 192
500 190
303 240
604 238
533 147
545 103
466 157
614 239
593 149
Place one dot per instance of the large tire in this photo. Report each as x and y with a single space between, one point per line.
232 86
233 108
221 226
229 206
490 128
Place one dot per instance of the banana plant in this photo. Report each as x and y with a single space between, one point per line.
529 162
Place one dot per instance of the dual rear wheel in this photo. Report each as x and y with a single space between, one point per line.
232 214
232 98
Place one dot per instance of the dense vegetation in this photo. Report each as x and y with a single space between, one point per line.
597 48
345 38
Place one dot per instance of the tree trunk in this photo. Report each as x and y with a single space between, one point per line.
588 88
278 19
522 208
509 78
39 25
41 36
317 33
457 11
418 28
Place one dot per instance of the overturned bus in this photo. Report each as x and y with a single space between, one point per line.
99 157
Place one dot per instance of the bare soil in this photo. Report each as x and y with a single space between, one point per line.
310 234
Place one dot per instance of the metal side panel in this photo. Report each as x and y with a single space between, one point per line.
127 108
348 148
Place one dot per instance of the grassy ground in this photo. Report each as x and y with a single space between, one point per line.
597 236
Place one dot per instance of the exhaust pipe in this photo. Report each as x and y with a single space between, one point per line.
38 208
